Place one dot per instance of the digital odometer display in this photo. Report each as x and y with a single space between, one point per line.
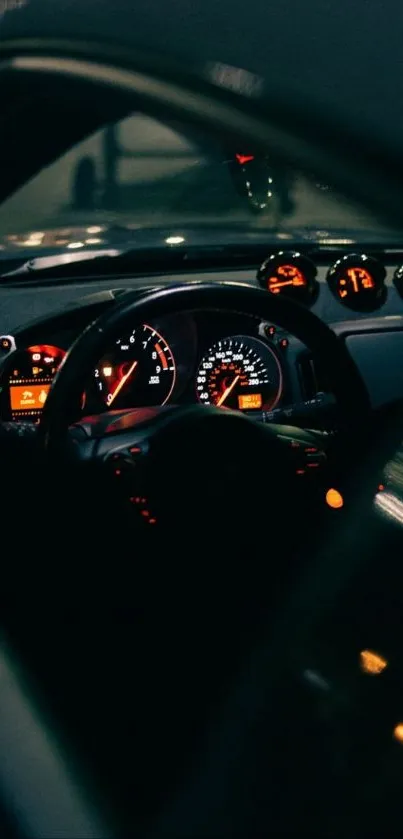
241 373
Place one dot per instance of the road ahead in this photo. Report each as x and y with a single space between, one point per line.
164 180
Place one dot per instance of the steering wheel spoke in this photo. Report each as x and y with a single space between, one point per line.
173 465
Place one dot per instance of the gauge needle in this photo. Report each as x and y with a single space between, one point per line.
118 388
227 392
286 282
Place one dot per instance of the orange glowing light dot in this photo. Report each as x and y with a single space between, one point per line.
334 499
398 732
381 487
372 663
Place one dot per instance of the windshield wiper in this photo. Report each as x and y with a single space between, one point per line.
135 261
44 263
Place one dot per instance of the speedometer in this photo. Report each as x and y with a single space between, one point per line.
138 371
241 373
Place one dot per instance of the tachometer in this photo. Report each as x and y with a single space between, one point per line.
241 373
139 371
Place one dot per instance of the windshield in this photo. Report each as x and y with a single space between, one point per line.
140 173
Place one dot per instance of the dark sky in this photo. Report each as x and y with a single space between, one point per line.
346 55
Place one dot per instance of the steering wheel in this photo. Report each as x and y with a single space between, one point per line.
228 792
176 467
345 381
200 453
189 442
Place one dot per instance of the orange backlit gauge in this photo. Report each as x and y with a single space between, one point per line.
357 281
138 371
286 276
241 373
290 274
29 377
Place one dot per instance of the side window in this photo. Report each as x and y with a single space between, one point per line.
131 170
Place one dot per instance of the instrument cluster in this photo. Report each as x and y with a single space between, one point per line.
227 360
231 362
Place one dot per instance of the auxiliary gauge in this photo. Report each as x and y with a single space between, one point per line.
358 282
290 274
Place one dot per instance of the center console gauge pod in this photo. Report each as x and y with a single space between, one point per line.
358 282
290 274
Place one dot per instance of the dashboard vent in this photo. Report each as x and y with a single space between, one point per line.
311 378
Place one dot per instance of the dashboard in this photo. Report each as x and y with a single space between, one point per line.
230 361
223 359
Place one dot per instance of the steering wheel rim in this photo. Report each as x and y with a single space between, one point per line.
133 309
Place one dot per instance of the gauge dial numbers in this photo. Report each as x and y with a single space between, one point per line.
29 375
240 373
291 275
358 282
139 371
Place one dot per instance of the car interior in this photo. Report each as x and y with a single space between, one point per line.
202 499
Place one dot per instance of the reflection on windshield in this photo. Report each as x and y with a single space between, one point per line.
146 174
